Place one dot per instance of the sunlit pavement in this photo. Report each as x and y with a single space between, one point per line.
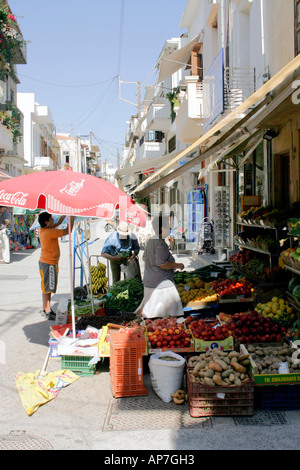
85 415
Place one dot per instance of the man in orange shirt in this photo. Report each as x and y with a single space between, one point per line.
49 259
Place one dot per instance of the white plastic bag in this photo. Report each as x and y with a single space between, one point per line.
130 269
166 376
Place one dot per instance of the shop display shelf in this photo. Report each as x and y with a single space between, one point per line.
270 380
294 302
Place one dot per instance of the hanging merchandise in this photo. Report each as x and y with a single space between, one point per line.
206 236
222 216
195 213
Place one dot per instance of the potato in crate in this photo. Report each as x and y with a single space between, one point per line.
219 384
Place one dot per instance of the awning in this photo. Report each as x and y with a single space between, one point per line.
227 126
145 164
4 176
171 63
236 148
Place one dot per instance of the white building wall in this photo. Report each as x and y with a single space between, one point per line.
25 102
34 129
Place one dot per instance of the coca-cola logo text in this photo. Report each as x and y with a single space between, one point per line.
16 199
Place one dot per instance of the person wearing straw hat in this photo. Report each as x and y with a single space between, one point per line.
119 247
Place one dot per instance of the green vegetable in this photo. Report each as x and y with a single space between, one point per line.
125 295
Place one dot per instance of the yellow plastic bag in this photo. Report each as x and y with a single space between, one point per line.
36 390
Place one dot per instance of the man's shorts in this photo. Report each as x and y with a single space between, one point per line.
49 276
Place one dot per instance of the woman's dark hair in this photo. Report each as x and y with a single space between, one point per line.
43 218
159 222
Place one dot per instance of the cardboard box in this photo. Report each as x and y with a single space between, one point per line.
270 379
203 346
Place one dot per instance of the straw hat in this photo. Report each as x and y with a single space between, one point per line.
123 229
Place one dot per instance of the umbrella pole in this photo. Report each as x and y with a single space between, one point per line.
71 280
89 266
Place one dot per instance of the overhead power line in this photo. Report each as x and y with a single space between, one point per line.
67 86
93 108
121 37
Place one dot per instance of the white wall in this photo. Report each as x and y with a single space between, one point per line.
25 102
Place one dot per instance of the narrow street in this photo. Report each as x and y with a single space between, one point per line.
85 415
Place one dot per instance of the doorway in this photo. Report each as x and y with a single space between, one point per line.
282 181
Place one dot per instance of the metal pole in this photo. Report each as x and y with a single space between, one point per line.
71 280
89 267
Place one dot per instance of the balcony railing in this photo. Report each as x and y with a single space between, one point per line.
239 84
156 136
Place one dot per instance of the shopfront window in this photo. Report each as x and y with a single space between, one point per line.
250 176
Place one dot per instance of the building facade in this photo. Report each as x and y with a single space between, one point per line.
13 51
40 146
232 81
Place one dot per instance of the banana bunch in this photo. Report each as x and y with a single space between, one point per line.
98 277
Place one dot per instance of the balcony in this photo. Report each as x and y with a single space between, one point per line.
43 163
151 145
6 139
159 116
189 117
16 45
19 54
223 92
239 84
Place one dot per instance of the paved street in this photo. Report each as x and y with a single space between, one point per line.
85 415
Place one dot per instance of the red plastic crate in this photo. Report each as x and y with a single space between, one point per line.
220 401
126 365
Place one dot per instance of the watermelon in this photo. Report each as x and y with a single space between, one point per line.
296 293
294 282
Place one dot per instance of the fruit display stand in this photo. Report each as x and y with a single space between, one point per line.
285 369
277 388
168 334
208 335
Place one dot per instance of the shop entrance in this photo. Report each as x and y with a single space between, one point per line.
282 180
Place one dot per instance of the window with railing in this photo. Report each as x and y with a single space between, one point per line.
152 136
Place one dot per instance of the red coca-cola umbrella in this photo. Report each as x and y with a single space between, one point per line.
70 193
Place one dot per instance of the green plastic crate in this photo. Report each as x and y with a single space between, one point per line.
78 364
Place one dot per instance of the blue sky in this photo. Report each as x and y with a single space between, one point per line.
75 50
